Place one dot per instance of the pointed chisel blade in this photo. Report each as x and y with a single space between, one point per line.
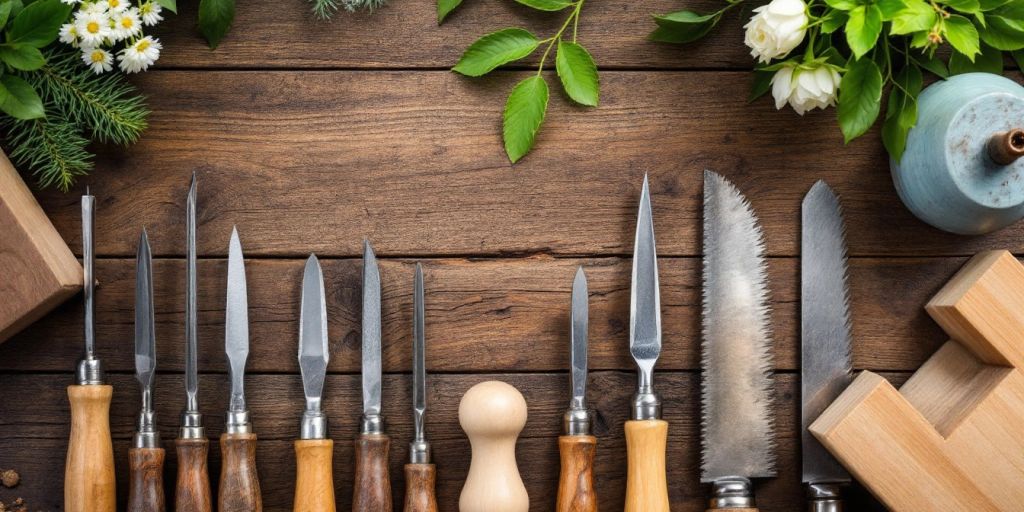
419 371
313 350
191 312
371 334
236 328
645 300
145 337
578 328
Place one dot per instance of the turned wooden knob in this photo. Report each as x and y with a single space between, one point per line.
493 414
1006 147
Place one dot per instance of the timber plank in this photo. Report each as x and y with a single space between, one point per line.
482 314
34 431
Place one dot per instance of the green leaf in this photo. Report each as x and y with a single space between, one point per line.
38 23
1018 57
170 5
683 26
842 5
890 8
962 35
834 20
18 99
546 5
495 49
901 113
23 57
933 64
990 60
578 73
1004 27
968 6
445 7
524 113
5 13
762 84
860 96
863 28
215 18
920 40
915 17
988 5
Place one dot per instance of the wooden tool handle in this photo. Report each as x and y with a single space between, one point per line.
89 469
419 488
372 487
146 480
192 493
239 483
314 485
646 486
576 491
732 510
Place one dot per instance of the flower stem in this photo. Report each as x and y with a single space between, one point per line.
573 18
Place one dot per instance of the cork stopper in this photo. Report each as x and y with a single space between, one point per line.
1006 147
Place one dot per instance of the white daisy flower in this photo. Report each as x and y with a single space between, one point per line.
126 24
92 27
92 7
115 5
68 34
140 55
98 59
150 12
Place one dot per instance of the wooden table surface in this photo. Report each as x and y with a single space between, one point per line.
311 136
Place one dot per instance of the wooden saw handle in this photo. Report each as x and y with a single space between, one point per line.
576 491
146 480
419 488
314 483
89 468
192 493
239 482
646 486
372 491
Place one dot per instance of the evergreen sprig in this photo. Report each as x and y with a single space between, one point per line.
53 150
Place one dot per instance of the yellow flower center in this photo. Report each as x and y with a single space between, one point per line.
113 3
97 56
141 47
93 27
127 22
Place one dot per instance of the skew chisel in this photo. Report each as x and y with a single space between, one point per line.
420 473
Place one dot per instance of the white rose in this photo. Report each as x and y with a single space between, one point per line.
776 29
805 89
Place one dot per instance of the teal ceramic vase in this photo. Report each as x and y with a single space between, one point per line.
962 171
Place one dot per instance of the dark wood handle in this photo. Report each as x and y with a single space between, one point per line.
192 493
239 483
146 480
576 483
372 491
89 469
419 488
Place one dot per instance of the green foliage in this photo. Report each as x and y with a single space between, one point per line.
901 112
683 26
38 23
444 8
494 49
860 94
546 5
215 19
863 28
524 113
170 5
578 73
53 150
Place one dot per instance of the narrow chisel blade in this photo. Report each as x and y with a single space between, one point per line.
313 350
578 328
236 328
645 300
145 337
371 333
419 342
191 311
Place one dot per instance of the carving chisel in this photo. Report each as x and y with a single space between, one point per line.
146 482
314 483
89 467
420 473
193 489
646 432
737 438
576 491
372 492
826 364
239 482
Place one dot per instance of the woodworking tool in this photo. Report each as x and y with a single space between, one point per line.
372 491
146 481
493 414
576 491
193 488
646 432
239 482
420 473
314 483
825 362
89 467
737 429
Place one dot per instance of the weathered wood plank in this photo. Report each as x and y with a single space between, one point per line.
33 430
482 315
316 161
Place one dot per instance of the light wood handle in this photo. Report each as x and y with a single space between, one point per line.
89 469
732 509
419 488
372 491
193 489
239 482
646 486
576 491
146 481
314 485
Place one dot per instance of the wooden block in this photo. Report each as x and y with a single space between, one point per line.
37 269
952 438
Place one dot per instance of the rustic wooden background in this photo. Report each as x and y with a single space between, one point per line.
310 136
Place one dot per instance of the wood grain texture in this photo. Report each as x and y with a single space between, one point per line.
239 478
372 483
420 492
146 480
89 484
576 491
646 476
192 491
314 485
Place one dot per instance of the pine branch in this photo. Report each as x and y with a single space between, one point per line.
365 5
324 9
52 149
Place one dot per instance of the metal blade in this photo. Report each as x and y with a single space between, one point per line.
826 367
191 340
313 351
578 328
145 338
88 260
371 333
645 301
419 364
737 425
236 328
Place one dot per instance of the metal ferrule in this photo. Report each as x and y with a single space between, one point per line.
372 424
732 492
824 497
191 426
147 435
237 423
314 425
646 405
419 452
576 422
89 372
